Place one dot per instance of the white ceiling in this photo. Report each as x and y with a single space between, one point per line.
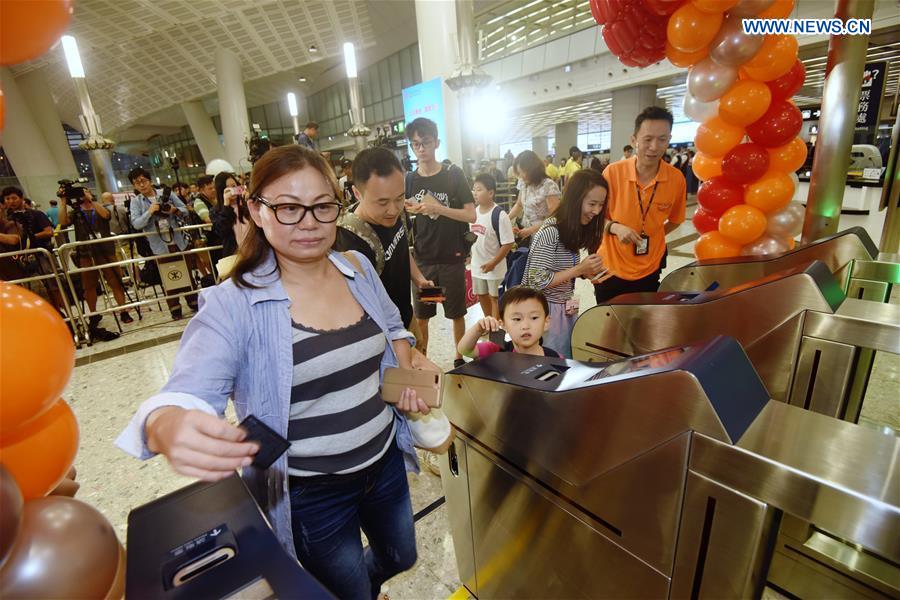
143 57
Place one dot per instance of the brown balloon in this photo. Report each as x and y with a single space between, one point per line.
65 549
10 512
117 590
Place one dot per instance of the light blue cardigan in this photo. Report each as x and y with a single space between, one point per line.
239 345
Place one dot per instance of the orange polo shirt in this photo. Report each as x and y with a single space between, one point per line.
623 207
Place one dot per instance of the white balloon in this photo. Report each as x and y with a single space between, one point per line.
763 246
699 111
796 179
787 222
218 165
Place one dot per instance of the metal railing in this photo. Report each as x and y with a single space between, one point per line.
183 273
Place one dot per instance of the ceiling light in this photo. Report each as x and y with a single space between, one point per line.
292 104
350 59
302 80
73 58
313 48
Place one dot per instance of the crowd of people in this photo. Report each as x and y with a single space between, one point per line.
329 273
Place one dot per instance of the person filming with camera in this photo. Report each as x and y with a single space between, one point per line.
91 222
159 216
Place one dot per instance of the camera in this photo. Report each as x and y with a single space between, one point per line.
165 206
72 190
258 144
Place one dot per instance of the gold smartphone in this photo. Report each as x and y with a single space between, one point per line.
427 384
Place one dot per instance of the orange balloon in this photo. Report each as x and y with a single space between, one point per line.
788 158
685 59
714 6
36 355
691 30
742 223
716 137
706 167
40 452
770 192
2 109
780 9
713 244
28 28
746 102
776 57
791 243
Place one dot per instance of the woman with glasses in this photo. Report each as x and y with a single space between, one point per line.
299 337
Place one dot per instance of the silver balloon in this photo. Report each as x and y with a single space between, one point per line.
750 8
787 222
708 81
10 512
764 245
796 180
732 47
699 111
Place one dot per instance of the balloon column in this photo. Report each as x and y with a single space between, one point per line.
739 90
51 546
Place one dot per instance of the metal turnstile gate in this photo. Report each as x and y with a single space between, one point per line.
660 476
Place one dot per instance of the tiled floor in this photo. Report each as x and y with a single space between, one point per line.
113 378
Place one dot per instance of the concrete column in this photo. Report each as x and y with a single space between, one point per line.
24 144
436 24
204 133
566 137
36 92
233 109
541 146
627 104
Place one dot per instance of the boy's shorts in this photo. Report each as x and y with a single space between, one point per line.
486 286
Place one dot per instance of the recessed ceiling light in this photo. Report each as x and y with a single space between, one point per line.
313 48
302 80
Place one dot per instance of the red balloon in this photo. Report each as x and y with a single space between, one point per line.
634 30
745 163
663 8
780 124
718 195
788 84
705 221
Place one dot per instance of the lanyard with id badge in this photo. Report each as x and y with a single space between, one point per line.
643 247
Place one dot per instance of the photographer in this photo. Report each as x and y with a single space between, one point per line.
91 221
37 232
160 217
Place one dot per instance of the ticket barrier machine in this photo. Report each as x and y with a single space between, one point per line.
660 476
812 346
850 255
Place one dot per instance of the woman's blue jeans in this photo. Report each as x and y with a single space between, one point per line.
327 517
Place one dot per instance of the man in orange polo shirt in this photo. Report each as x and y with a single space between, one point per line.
646 201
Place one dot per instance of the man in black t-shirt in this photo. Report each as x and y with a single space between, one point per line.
442 201
377 229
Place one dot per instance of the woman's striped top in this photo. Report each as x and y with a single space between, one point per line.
338 420
546 257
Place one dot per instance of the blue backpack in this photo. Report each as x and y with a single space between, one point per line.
515 269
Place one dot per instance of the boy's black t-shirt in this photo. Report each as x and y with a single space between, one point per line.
440 241
396 274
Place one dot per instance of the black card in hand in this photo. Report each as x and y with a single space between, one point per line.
271 445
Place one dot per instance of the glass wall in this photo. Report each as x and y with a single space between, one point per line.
380 87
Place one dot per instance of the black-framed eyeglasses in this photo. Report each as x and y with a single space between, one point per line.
291 213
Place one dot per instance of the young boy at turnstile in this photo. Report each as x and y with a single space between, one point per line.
524 314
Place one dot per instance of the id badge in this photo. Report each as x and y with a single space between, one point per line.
643 247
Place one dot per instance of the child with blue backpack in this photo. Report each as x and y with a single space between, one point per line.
494 241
